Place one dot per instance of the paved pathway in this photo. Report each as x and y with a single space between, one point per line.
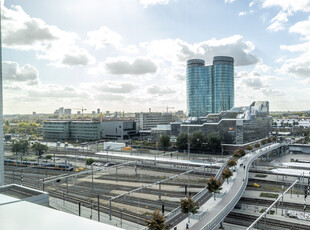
218 212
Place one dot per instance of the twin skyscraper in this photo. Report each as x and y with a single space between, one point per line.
210 89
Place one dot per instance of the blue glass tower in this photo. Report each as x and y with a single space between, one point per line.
210 89
223 76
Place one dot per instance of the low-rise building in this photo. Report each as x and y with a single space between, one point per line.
238 125
56 130
118 129
85 130
146 121
71 130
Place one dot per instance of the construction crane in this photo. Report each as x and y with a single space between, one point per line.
81 110
165 108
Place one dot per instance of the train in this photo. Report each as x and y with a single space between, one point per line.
43 165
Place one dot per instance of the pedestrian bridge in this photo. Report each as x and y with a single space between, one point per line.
217 213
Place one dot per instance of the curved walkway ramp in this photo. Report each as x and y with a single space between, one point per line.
217 213
176 216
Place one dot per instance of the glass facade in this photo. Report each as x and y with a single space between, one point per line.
223 83
210 89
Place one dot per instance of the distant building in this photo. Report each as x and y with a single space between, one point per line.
67 111
118 129
71 130
93 112
160 130
60 111
85 130
89 130
210 89
146 121
98 111
238 125
56 130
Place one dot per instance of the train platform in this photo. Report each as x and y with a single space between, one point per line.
294 198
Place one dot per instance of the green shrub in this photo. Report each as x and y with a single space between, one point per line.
89 161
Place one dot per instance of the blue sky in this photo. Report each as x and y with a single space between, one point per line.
130 55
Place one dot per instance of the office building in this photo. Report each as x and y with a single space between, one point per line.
71 130
85 130
56 130
67 111
210 89
238 125
118 129
146 121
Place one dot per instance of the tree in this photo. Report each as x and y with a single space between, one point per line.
263 142
188 205
158 221
231 163
89 161
214 185
164 141
21 146
257 145
227 173
249 147
214 142
39 148
182 141
239 153
196 140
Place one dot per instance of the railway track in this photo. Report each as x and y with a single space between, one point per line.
246 220
267 203
117 212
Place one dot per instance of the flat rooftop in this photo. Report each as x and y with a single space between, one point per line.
18 214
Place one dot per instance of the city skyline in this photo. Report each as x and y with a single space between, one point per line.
131 55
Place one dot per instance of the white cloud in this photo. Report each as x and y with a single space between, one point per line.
298 66
278 22
20 31
14 73
229 1
243 13
103 37
146 3
157 90
291 5
179 51
302 27
115 87
136 66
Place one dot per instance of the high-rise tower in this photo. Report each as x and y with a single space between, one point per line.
210 89
1 115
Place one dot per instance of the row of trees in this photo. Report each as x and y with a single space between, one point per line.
199 142
27 128
23 147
